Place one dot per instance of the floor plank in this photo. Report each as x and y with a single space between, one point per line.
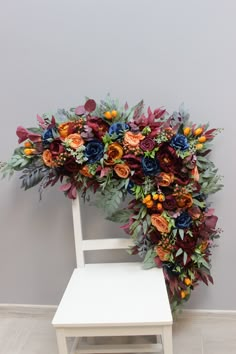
25 333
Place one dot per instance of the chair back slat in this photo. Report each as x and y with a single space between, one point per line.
94 244
106 244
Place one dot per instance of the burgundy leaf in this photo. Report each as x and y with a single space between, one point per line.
80 110
90 106
22 134
65 187
211 221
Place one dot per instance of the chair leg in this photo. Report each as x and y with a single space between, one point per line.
61 342
167 340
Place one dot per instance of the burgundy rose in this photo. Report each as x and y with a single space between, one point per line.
134 163
99 127
71 166
188 245
147 144
168 160
182 178
170 203
56 147
155 236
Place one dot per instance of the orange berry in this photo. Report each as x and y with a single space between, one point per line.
161 197
114 113
183 294
108 115
27 144
150 204
147 199
155 196
29 151
187 131
198 131
199 146
188 281
159 206
202 139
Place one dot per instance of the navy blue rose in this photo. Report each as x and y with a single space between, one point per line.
47 135
129 188
94 151
183 221
150 166
118 129
179 142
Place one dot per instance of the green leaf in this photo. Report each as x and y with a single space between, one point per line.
148 261
181 234
121 216
185 257
179 252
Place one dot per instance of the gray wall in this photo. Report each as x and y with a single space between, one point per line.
53 53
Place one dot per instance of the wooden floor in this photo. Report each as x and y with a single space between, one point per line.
30 332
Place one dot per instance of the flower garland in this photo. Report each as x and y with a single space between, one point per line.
160 160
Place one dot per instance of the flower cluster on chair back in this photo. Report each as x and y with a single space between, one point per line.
160 160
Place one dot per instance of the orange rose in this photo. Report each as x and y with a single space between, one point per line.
165 179
63 129
163 252
47 159
122 170
160 223
85 171
114 152
133 139
203 246
184 200
75 140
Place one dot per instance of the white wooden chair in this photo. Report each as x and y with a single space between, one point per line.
112 299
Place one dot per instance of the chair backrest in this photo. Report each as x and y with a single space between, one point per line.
91 245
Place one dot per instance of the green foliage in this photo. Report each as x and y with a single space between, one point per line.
121 216
111 197
148 261
33 175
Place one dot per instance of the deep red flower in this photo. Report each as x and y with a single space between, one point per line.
168 160
170 203
147 144
100 128
56 147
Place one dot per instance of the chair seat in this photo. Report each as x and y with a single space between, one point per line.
114 294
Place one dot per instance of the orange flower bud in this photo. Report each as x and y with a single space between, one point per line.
161 197
202 139
183 294
114 113
150 204
199 146
187 131
27 144
188 281
155 196
198 131
159 206
108 115
29 151
147 199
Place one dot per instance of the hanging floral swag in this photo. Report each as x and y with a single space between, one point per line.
161 160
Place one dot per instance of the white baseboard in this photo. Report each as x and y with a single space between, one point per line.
29 309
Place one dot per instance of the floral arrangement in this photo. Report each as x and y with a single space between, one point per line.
159 159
